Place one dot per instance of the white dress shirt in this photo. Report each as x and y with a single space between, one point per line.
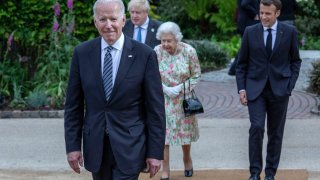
144 29
115 53
273 32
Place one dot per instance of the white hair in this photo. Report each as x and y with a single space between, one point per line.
120 3
169 27
143 4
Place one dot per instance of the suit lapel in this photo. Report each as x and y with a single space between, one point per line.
260 37
127 58
95 55
150 32
131 30
278 38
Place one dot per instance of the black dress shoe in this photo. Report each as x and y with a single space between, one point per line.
269 178
254 177
188 173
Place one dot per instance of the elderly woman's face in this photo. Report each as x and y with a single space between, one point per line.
169 43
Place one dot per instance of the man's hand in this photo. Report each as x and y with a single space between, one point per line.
243 97
75 159
154 166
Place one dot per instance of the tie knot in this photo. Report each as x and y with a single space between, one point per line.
109 48
269 30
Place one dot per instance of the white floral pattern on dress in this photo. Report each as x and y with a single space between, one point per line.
175 70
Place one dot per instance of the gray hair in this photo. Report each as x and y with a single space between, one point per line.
143 4
169 27
120 3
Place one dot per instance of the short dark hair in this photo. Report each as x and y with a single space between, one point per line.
276 3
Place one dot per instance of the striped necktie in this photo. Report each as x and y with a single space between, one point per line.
107 72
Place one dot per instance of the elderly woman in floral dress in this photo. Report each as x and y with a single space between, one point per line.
178 64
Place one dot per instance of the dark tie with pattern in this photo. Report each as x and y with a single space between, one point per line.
139 36
107 72
269 42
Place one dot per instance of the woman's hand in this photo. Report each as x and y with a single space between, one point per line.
172 91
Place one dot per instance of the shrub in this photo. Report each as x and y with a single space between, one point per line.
199 19
37 99
53 66
210 55
307 19
232 45
310 43
315 78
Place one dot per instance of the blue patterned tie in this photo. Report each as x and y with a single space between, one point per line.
107 72
139 36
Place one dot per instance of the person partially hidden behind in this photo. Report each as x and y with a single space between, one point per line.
267 70
140 27
248 14
178 65
114 103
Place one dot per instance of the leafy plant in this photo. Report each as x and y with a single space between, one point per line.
307 19
37 99
224 16
53 65
310 43
17 101
200 19
12 70
315 78
210 55
231 46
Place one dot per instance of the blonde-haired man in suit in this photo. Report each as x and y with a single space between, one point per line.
140 26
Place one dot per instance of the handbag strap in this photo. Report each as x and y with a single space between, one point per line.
184 89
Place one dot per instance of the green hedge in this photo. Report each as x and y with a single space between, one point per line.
210 55
315 78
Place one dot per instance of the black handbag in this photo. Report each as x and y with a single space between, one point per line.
192 105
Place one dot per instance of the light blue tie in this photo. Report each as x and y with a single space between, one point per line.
107 73
139 36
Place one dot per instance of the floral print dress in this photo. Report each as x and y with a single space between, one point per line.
177 69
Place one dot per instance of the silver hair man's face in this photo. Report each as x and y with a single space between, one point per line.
109 21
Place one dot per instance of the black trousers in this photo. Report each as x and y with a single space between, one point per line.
275 108
109 169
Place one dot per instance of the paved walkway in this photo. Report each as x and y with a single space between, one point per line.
37 145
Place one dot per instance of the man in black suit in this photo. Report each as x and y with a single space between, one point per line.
117 113
287 11
140 27
266 73
247 15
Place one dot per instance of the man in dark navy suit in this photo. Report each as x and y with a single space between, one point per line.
117 114
266 73
140 27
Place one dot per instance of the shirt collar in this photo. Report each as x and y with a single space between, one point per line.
117 45
144 25
273 27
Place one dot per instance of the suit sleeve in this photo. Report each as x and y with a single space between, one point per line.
155 109
242 62
295 60
74 108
